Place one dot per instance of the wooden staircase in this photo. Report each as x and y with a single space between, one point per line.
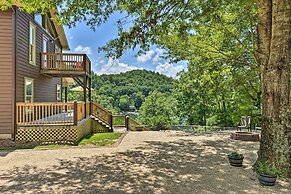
105 118
102 123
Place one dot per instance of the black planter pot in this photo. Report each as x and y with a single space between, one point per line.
237 162
267 180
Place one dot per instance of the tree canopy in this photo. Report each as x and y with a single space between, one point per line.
126 91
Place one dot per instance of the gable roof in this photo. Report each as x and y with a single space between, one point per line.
60 31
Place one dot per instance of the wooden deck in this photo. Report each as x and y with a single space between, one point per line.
65 64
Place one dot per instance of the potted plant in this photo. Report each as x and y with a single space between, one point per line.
235 159
266 173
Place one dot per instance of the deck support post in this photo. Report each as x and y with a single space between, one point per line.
85 93
75 112
66 93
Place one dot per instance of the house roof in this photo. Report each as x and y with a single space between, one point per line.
60 31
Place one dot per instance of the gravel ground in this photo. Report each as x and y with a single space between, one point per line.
144 162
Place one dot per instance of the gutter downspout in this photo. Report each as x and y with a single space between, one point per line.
14 9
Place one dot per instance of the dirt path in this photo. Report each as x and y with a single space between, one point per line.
144 162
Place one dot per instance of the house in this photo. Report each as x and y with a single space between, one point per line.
35 73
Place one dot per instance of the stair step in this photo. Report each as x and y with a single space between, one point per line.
101 122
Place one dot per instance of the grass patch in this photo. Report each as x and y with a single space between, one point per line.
100 139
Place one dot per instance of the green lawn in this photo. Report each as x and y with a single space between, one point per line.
100 139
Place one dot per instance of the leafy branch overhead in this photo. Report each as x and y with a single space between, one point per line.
149 20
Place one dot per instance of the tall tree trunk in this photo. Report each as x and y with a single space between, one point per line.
274 31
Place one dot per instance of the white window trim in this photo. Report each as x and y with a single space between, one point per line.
32 88
59 92
33 61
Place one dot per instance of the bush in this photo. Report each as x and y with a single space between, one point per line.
159 111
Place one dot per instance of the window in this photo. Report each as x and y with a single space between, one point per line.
59 90
32 46
28 90
58 49
41 20
38 18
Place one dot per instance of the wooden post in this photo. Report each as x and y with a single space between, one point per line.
84 62
66 94
89 93
111 121
85 90
89 84
75 113
127 122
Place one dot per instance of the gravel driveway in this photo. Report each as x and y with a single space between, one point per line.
144 162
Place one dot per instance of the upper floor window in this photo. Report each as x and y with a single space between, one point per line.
32 44
38 18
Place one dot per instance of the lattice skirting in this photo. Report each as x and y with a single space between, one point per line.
64 133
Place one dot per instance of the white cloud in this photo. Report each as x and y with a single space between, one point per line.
169 69
101 61
159 52
113 66
86 50
145 57
153 55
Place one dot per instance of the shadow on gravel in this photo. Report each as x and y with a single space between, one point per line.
181 166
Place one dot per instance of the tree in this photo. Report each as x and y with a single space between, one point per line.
274 40
152 20
138 100
159 111
124 103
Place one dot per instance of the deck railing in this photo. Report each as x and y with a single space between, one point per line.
133 125
101 113
129 123
65 62
70 113
119 120
50 113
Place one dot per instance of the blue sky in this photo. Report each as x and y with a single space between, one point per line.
82 39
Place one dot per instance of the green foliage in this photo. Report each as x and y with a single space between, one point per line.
235 155
100 139
267 169
127 91
159 111
118 120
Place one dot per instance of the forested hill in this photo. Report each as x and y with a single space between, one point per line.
127 91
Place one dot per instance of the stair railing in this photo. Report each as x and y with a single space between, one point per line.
101 113
133 125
